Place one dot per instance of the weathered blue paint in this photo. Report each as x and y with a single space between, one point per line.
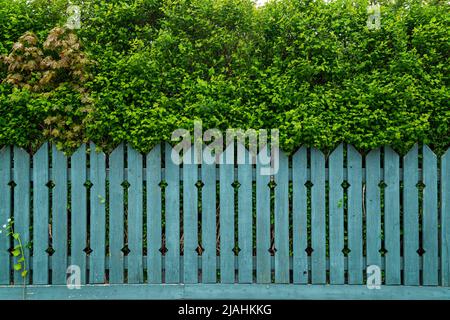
355 216
336 215
60 221
299 216
135 217
116 214
22 206
411 217
238 260
154 214
78 210
5 211
318 241
97 215
40 215
245 220
392 215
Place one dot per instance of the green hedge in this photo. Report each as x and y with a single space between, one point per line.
310 68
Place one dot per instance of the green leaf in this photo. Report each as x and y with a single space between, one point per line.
24 273
16 236
18 266
16 252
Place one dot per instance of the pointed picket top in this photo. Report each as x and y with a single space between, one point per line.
20 152
300 154
4 149
391 152
428 154
337 154
352 152
316 153
227 156
155 152
118 151
412 153
42 152
93 150
132 151
244 156
373 155
80 150
446 154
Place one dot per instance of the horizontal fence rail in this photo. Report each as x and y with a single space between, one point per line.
127 218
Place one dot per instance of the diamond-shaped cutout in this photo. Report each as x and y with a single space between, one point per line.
163 184
10 250
125 250
50 184
346 251
50 251
125 184
420 185
383 251
12 184
345 185
420 251
382 185
272 250
272 184
309 184
163 250
309 251
236 184
88 250
199 250
199 184
236 250
88 184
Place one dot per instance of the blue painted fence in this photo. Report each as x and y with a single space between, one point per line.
149 228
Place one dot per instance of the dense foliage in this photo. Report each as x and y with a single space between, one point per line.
310 68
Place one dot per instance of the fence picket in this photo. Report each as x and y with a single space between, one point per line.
86 221
411 217
135 216
5 211
445 218
263 268
299 216
97 215
22 205
430 218
59 216
282 220
227 216
154 230
245 219
392 215
209 265
190 219
116 215
172 216
40 215
78 210
373 208
355 216
318 240
336 227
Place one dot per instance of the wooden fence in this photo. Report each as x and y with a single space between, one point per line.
149 228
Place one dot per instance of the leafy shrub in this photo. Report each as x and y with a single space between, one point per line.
310 68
